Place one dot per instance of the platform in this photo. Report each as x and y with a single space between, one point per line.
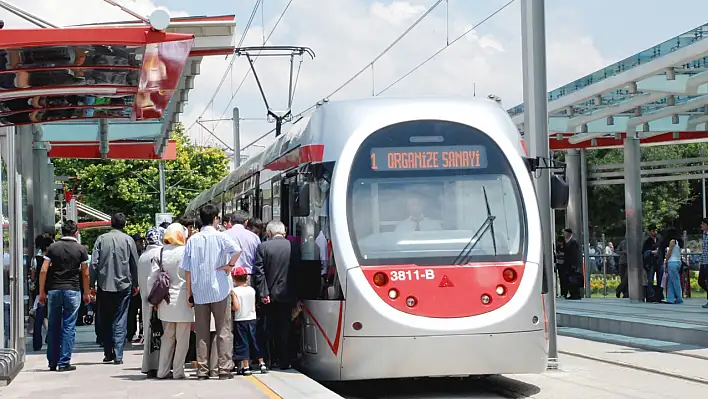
619 321
125 381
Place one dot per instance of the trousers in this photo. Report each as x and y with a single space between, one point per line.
224 342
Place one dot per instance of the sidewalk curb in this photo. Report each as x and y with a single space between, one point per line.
291 385
606 338
636 367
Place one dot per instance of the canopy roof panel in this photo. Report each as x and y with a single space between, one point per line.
88 73
661 89
212 36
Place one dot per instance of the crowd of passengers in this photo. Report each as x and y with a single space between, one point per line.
215 293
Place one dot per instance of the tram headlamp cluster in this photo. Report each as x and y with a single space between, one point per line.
380 279
411 301
509 275
486 299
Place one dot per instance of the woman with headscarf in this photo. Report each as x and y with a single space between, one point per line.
147 265
176 315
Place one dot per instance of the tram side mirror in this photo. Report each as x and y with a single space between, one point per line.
559 192
301 203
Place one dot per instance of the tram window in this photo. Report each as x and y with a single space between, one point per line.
266 202
276 201
394 217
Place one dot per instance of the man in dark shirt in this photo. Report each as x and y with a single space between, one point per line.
572 265
115 263
653 263
65 262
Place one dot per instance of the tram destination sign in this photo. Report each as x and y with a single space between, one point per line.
429 157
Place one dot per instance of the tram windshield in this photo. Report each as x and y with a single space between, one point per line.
422 204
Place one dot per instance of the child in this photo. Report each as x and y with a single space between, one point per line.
243 303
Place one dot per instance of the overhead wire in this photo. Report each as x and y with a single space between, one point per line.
490 16
448 44
362 70
230 66
255 58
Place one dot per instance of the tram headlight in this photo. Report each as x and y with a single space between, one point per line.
501 290
509 275
411 301
486 299
393 293
380 279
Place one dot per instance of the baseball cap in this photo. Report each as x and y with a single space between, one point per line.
239 271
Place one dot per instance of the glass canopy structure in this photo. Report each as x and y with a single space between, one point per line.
652 94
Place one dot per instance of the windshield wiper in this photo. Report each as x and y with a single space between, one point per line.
488 224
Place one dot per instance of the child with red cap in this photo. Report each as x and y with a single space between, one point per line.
243 303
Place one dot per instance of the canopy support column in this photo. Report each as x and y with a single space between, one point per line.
634 214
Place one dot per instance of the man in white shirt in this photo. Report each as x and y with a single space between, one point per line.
417 221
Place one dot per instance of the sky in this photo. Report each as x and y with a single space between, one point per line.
346 35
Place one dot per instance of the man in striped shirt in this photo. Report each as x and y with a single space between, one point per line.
208 259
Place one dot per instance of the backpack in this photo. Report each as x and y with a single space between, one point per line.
161 288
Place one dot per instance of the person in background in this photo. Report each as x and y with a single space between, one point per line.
651 252
147 265
193 225
277 260
623 287
42 243
65 265
572 264
703 271
177 316
247 240
209 257
226 221
255 225
672 265
115 259
134 314
243 303
560 267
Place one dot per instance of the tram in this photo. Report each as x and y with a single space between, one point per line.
420 237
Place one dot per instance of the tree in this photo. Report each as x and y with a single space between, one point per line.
132 187
662 202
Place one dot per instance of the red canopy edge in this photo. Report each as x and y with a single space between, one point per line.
563 143
119 149
92 225
104 35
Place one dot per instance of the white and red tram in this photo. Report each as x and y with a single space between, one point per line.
422 218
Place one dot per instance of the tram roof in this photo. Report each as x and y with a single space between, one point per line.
659 90
312 138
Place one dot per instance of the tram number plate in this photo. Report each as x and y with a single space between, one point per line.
401 275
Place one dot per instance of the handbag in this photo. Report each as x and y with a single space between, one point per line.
665 279
156 332
161 288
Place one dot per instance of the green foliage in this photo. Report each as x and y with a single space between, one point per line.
662 201
597 285
132 187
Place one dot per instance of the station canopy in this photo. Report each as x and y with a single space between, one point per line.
660 94
88 73
110 90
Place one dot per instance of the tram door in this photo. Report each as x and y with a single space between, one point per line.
287 204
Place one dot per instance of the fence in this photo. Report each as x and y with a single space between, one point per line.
604 268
